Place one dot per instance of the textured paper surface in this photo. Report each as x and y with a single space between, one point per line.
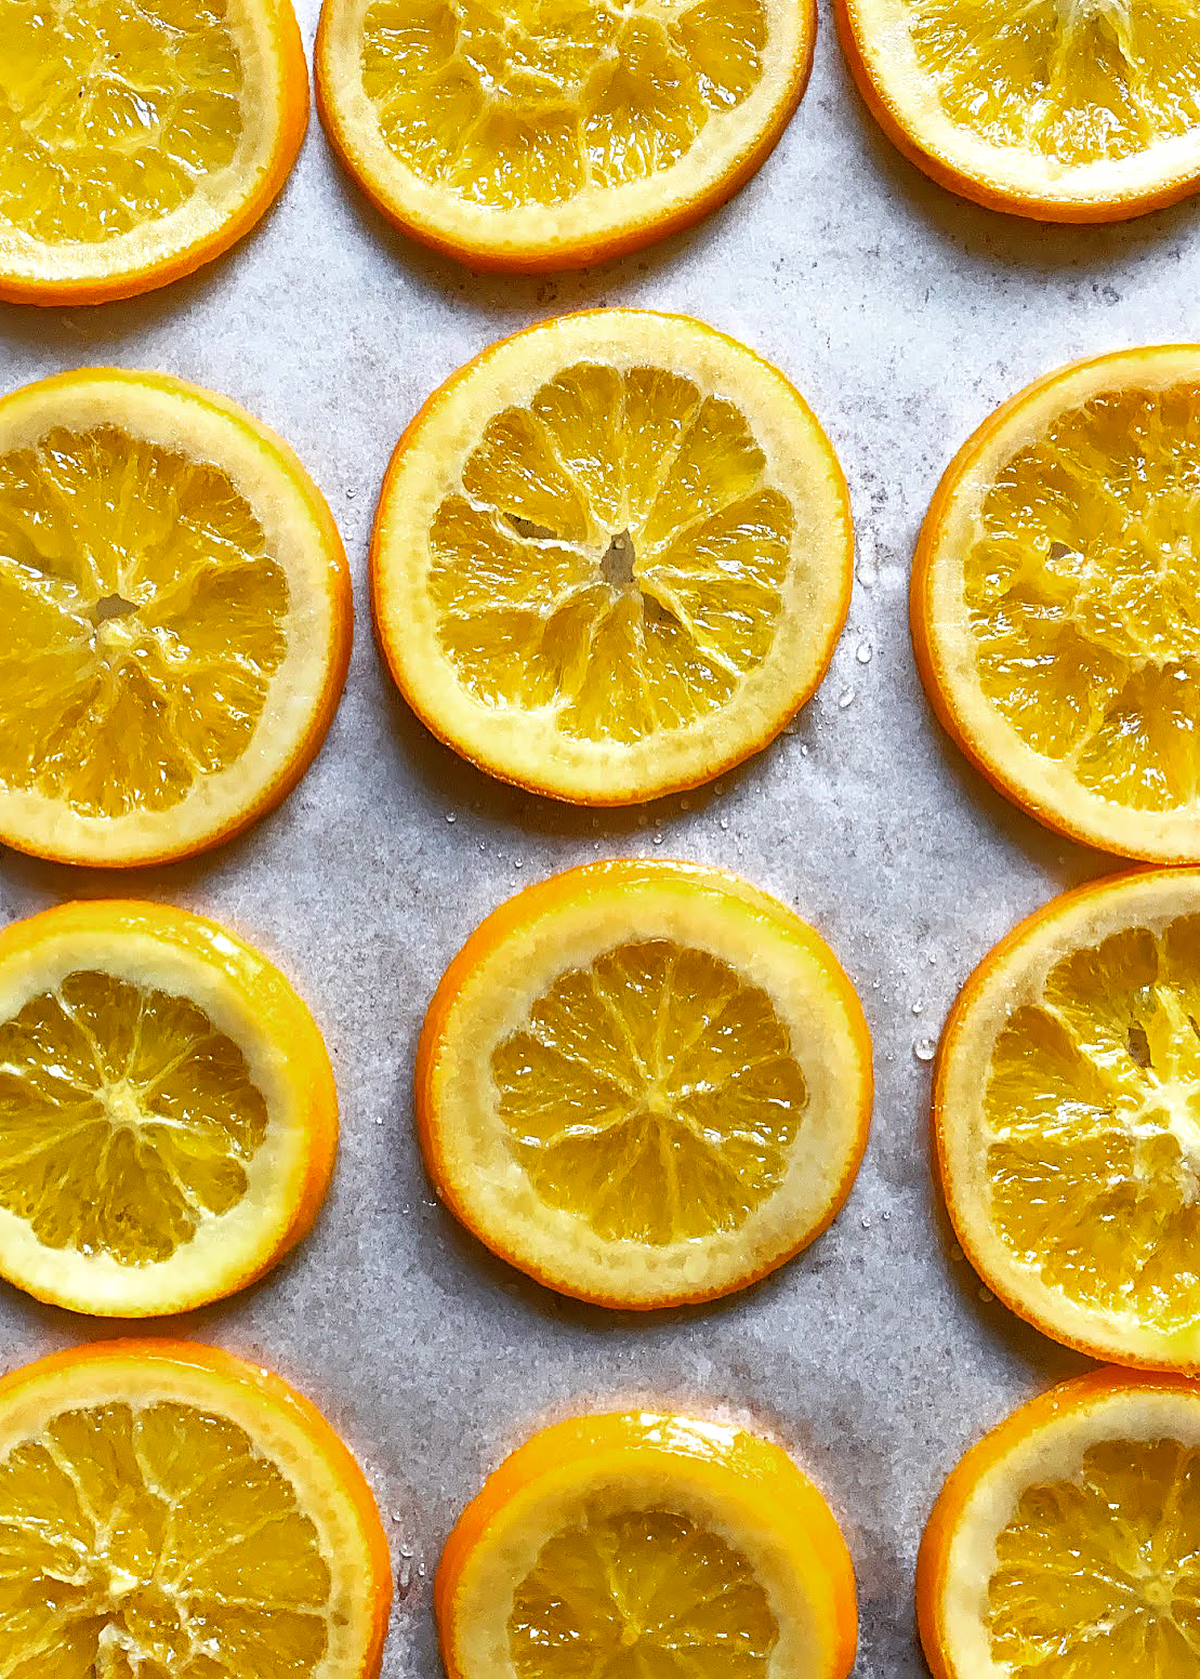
904 315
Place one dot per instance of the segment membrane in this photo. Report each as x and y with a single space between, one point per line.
1076 80
1092 1115
126 1118
113 113
1100 1574
653 1093
643 1594
1083 594
145 621
534 100
155 1542
616 555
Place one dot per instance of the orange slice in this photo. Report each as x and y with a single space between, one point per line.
178 618
168 1117
166 1509
638 1546
644 1083
552 135
612 556
1067 1118
1065 1541
1063 110
1054 596
139 139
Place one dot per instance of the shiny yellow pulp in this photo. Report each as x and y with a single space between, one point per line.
126 1118
113 113
532 101
1083 595
1092 1119
143 621
1077 81
654 1094
1099 1575
642 1594
155 1541
616 555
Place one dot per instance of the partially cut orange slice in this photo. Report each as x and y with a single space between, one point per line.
1054 601
166 1509
1063 110
1067 1119
612 556
168 1116
1065 1542
178 618
139 138
644 1083
638 1546
547 135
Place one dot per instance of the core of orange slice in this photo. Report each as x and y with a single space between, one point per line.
612 556
167 1510
644 1083
168 1117
178 618
1065 1542
640 1546
1063 110
139 139
1054 602
548 135
1067 1119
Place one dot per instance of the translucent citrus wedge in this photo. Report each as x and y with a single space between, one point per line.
1067 1118
1063 110
139 138
168 1117
612 556
641 1547
178 618
644 1083
1064 1543
168 1512
551 134
1055 611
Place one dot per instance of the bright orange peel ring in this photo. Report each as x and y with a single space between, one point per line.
633 1544
138 142
178 618
1067 1119
167 1508
1066 1539
1054 602
1062 112
168 1115
556 135
644 1083
612 556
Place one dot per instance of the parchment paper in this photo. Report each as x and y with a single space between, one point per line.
904 315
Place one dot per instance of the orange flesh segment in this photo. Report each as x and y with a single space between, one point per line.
653 1093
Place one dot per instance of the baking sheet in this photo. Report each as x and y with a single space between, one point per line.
904 315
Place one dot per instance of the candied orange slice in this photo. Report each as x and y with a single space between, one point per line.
139 138
179 618
168 1117
1054 602
612 556
1067 1118
1065 1541
640 1546
644 1083
1063 110
166 1509
548 134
